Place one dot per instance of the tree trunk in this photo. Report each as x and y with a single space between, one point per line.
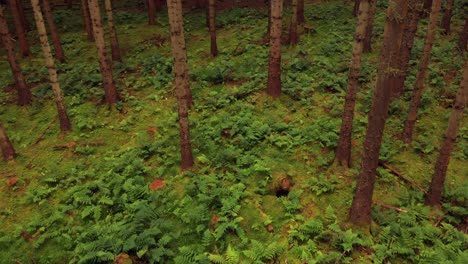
115 48
268 33
369 27
87 19
409 32
426 8
22 15
293 36
212 27
356 7
151 12
24 95
69 4
300 12
463 37
174 8
159 4
445 23
360 212
274 67
20 31
423 67
65 124
53 32
8 151
111 94
435 190
343 153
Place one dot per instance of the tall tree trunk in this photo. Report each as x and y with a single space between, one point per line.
87 19
369 27
409 32
293 36
8 151
20 31
65 124
274 66
111 94
22 15
435 190
174 8
343 152
356 7
159 4
53 32
212 27
268 33
426 8
300 12
360 212
24 95
463 37
115 48
151 12
445 23
423 67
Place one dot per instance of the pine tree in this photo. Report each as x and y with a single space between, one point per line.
53 32
445 23
87 19
293 35
20 30
212 27
369 27
115 48
274 66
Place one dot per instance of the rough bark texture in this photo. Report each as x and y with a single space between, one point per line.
22 14
435 190
65 124
293 36
274 66
179 52
462 41
300 12
53 32
370 26
20 30
423 67
212 27
356 7
115 48
343 152
87 19
8 151
151 12
445 23
111 94
24 95
409 32
360 212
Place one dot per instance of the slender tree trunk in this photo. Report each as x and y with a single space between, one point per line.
409 32
423 67
300 12
22 14
87 19
369 27
115 48
426 8
360 212
20 31
174 8
53 32
24 95
268 33
159 4
212 27
463 37
445 23
435 190
274 67
111 94
65 124
151 12
293 36
8 151
343 153
356 7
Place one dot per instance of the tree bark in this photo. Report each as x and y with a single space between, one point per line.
111 94
24 21
65 124
8 151
293 36
435 190
212 27
463 37
360 212
24 94
151 12
445 23
53 32
424 65
115 48
369 27
87 19
343 153
174 8
20 31
356 7
274 67
300 12
426 8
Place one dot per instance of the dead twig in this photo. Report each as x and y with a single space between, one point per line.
398 209
401 176
41 137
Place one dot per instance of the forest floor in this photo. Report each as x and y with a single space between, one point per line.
113 186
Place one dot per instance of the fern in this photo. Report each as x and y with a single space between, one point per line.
259 252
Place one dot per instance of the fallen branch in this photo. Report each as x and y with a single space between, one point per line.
41 137
401 176
398 209
74 145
